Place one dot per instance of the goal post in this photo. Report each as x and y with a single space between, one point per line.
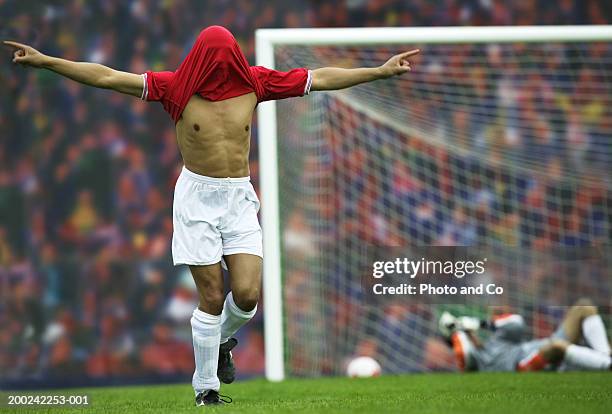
268 173
267 43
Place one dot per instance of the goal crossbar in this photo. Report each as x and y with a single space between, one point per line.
432 35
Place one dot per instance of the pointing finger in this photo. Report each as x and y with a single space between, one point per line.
14 44
410 53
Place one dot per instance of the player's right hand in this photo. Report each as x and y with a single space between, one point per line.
25 55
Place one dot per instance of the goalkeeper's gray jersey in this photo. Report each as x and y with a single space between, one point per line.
506 347
503 349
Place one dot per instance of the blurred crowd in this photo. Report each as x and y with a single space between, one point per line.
87 288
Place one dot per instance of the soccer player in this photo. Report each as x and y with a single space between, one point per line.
211 98
507 350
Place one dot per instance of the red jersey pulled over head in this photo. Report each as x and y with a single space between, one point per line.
216 69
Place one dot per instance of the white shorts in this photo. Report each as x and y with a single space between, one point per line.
214 217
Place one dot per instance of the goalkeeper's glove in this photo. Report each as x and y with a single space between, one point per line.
448 324
468 323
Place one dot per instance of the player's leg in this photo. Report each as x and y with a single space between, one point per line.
241 303
583 321
557 351
243 252
240 306
206 331
199 204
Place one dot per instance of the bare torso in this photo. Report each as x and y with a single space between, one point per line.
214 137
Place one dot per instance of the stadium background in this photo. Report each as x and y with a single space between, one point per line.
87 290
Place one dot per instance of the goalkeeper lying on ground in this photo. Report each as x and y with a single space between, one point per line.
506 349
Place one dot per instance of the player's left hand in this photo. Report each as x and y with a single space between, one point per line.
398 64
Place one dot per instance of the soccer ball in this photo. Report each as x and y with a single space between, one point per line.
363 367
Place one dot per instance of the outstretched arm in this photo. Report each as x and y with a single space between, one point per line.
326 79
92 74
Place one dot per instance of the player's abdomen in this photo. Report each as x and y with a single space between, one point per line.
214 137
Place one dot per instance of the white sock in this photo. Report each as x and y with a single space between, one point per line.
232 318
594 332
206 330
586 358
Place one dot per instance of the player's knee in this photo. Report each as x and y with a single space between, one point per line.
246 299
585 307
584 302
212 298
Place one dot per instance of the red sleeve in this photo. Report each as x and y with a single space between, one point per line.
155 84
273 84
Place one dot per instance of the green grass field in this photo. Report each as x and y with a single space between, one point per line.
540 393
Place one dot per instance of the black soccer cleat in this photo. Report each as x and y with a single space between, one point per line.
226 370
211 397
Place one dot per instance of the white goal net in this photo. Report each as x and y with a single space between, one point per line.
488 143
